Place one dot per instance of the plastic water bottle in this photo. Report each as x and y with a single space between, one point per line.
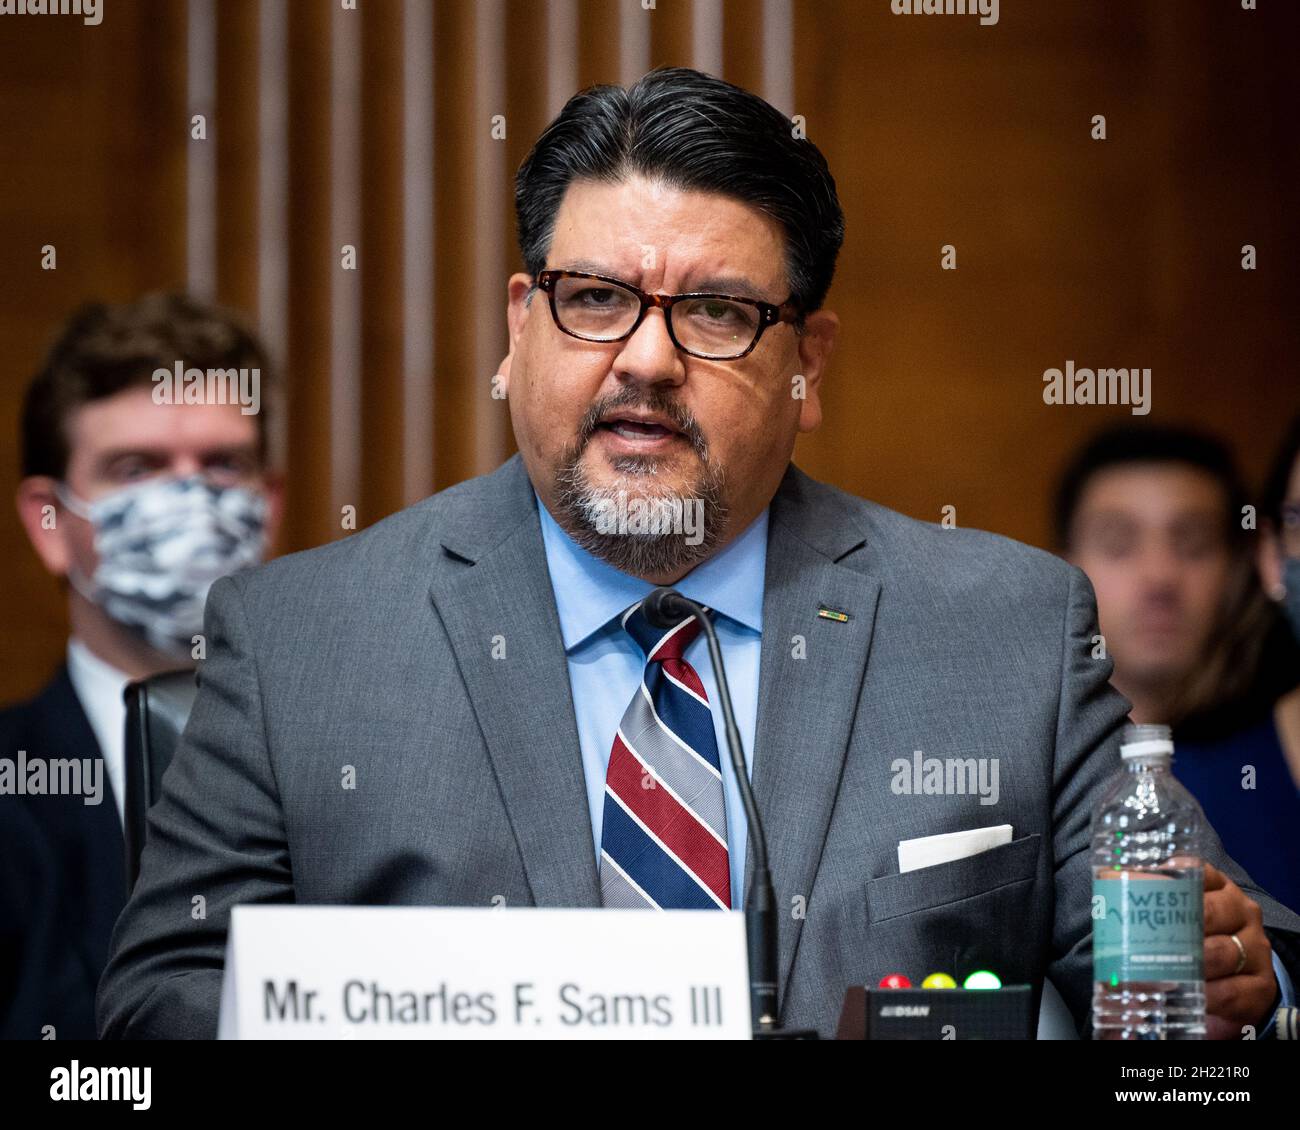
1148 883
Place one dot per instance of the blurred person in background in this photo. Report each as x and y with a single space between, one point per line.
138 495
1158 519
1279 568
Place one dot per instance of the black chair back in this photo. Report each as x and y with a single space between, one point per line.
156 711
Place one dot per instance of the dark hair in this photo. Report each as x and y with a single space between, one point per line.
1279 476
699 133
1129 444
102 350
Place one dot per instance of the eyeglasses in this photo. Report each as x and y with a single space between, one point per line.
714 327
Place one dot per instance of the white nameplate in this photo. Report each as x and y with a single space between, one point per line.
308 972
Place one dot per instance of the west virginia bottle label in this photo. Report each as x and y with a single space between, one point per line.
1148 926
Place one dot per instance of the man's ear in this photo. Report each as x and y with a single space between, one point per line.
816 344
518 307
43 519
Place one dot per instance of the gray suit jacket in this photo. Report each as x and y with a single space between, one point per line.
376 653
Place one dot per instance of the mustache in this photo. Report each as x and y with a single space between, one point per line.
677 413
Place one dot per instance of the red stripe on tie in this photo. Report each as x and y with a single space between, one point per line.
676 641
675 825
685 674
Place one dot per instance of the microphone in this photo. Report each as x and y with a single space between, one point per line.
665 608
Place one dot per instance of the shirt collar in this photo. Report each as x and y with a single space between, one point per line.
88 670
590 592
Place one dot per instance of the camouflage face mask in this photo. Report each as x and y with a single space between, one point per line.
161 545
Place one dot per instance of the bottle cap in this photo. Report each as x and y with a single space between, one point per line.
1146 741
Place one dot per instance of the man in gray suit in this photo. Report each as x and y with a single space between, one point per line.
448 708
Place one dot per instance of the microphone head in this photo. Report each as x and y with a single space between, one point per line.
665 608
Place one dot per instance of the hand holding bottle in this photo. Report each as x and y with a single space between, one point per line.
1240 984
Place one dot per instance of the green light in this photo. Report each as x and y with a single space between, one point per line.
982 979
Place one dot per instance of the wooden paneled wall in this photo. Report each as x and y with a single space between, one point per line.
373 128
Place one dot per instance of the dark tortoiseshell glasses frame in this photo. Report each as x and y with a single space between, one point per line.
769 314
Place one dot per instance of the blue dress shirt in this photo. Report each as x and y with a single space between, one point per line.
606 665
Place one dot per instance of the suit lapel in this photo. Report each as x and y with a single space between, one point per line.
63 730
806 704
498 608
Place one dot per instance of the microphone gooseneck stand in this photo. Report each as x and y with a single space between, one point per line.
664 608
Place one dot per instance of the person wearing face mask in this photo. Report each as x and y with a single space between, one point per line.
138 504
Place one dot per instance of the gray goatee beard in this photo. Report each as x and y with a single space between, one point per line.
662 544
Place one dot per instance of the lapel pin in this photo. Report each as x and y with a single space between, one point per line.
832 614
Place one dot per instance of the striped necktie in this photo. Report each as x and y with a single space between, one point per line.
663 843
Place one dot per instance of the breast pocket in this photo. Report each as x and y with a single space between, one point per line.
892 896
